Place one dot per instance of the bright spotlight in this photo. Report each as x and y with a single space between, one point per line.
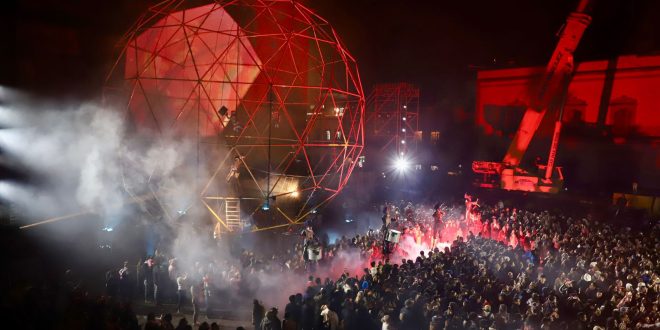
295 194
265 206
401 164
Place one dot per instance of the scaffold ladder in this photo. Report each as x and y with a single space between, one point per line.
233 214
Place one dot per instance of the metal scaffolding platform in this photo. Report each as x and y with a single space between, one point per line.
393 116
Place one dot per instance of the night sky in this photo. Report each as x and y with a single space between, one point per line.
65 47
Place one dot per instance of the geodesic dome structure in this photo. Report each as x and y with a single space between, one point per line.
265 88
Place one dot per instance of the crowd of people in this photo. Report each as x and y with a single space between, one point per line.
466 266
513 269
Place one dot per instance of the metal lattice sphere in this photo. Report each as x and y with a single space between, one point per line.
267 85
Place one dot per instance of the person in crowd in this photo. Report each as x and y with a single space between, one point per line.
152 323
158 284
271 321
183 324
258 313
329 318
289 323
197 299
166 322
111 283
182 285
148 275
125 283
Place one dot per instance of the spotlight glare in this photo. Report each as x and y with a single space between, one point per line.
295 194
401 164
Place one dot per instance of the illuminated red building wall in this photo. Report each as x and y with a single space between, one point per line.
611 134
622 93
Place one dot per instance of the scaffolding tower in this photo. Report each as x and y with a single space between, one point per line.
393 117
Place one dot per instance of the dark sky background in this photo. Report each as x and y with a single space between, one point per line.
65 47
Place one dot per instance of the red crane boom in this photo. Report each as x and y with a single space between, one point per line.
556 78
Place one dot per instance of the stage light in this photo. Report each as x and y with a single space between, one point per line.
404 118
295 194
265 206
401 164
405 107
403 141
403 130
107 229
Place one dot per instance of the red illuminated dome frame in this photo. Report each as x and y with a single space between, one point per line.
267 85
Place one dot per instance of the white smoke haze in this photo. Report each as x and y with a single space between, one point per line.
274 288
85 160
74 151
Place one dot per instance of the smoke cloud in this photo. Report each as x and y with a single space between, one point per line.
84 158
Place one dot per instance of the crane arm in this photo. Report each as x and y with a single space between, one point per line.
555 79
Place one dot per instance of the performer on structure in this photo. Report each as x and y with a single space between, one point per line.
470 206
395 215
437 222
232 176
387 218
233 170
308 239
410 212
217 231
311 248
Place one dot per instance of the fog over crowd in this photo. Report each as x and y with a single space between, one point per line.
85 159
